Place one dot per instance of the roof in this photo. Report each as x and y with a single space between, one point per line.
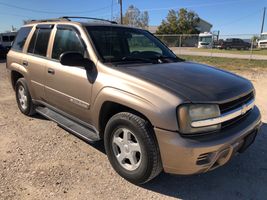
205 21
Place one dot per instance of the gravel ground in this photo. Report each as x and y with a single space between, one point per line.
39 160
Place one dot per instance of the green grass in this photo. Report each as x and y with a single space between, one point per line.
233 51
227 63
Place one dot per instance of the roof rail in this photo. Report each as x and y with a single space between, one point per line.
48 20
68 18
91 18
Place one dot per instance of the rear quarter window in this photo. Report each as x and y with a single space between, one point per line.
21 38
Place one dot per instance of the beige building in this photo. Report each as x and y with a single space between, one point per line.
203 26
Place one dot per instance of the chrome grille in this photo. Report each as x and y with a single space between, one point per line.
236 103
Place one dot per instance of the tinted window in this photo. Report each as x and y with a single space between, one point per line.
66 40
21 38
39 42
5 39
11 38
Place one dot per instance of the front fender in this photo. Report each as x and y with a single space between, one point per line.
160 116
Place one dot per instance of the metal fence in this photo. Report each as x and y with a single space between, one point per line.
191 45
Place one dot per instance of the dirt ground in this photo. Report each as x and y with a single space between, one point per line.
39 160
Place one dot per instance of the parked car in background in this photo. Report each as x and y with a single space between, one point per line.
234 43
262 42
6 39
3 51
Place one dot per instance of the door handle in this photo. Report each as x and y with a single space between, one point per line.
24 63
51 71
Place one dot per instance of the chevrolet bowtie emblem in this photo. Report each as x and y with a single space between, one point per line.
244 109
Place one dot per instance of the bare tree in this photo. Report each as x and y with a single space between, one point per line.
134 17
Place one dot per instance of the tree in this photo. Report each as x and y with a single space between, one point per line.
134 17
179 22
255 38
26 21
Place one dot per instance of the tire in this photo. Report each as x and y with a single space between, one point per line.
25 103
141 133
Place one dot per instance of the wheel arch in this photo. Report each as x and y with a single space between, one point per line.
15 76
111 108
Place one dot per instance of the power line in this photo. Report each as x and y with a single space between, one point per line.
51 12
194 6
241 18
12 14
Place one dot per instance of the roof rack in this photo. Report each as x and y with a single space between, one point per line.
48 20
91 18
68 18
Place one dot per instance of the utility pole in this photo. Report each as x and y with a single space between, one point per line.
120 2
263 19
111 17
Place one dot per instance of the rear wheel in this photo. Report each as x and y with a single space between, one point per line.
132 148
23 98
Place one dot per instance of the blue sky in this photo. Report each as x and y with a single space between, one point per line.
228 16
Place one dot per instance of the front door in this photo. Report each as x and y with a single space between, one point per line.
68 88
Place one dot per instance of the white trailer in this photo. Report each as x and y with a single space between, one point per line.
262 42
205 40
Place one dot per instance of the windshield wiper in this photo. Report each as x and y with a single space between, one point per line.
130 58
168 57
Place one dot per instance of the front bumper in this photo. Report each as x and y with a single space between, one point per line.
194 155
262 46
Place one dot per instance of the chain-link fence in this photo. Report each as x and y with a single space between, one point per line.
243 46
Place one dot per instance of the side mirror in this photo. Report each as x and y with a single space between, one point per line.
75 59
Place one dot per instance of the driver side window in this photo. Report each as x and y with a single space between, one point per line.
66 40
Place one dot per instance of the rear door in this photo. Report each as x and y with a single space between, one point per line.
68 88
36 58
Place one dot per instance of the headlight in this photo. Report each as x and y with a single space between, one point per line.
189 113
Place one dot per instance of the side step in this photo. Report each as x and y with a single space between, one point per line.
74 127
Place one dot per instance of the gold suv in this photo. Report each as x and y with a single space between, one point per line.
154 111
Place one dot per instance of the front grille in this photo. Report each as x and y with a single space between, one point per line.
233 121
263 42
225 107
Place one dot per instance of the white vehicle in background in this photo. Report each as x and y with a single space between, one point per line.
6 39
262 42
205 40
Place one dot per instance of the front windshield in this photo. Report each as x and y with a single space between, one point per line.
207 39
121 44
263 37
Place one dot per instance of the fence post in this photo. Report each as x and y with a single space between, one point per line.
180 44
211 52
251 49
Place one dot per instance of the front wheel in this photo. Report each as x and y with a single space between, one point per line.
132 148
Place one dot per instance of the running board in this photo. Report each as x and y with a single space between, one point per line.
74 127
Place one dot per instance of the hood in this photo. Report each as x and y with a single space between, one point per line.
193 81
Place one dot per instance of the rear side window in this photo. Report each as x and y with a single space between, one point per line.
66 40
39 42
21 38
